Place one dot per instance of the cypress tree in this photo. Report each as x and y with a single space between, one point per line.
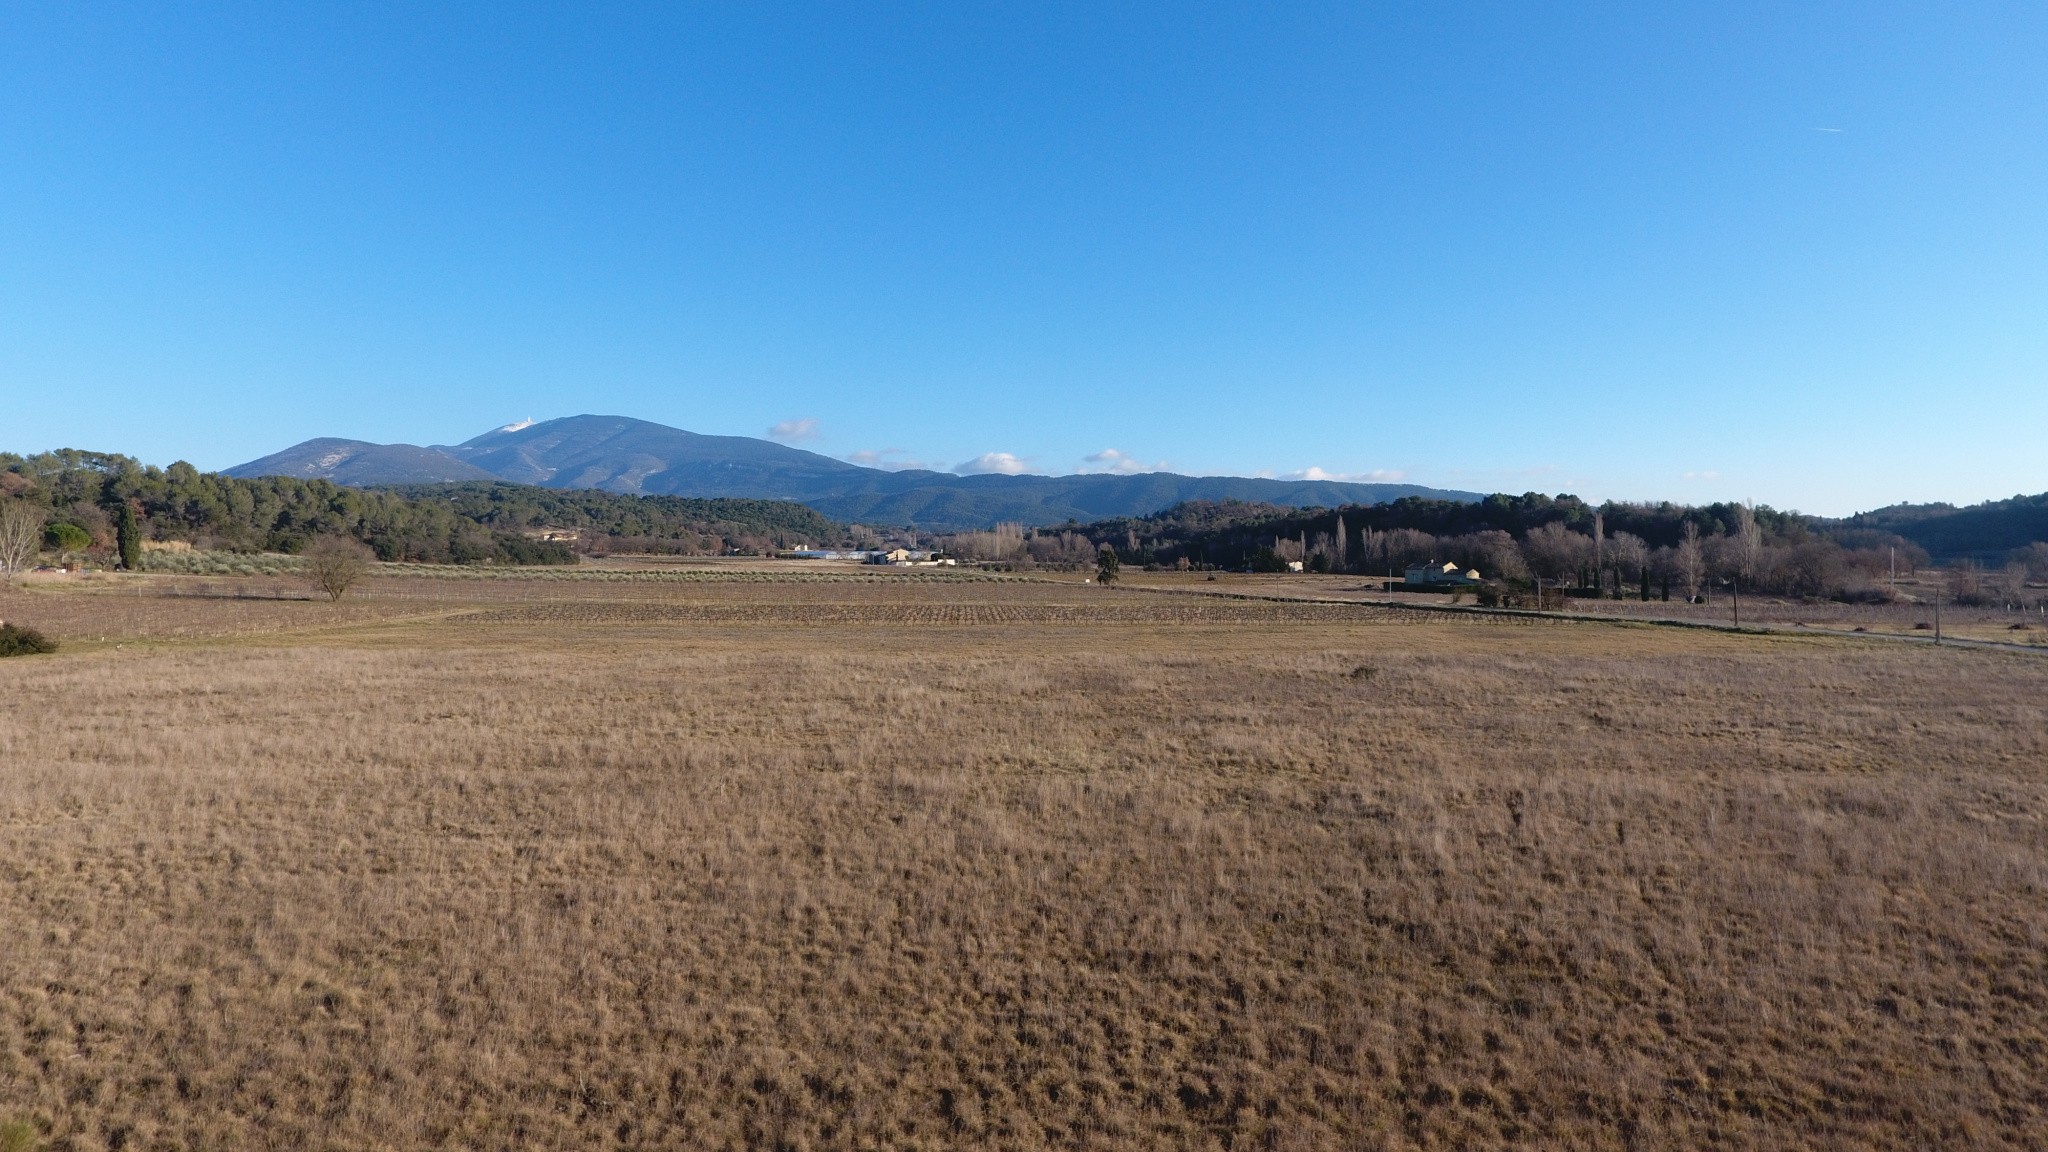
128 535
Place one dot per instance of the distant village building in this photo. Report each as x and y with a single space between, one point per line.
911 558
1441 574
902 557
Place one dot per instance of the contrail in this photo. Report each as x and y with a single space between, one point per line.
1827 129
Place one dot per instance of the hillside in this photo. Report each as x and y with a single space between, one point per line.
486 522
518 507
620 454
1982 531
358 463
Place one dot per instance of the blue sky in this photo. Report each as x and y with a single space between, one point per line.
1796 253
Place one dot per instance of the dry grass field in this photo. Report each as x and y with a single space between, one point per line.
728 863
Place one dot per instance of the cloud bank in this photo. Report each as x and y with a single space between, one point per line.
1376 476
1113 462
993 464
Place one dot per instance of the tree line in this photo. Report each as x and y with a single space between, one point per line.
620 522
108 504
1659 550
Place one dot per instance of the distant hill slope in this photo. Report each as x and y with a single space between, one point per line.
360 464
620 454
500 504
1984 530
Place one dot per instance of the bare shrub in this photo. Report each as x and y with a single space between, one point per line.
335 563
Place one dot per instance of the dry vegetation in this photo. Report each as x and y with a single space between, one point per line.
857 865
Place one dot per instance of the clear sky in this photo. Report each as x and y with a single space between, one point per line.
1790 252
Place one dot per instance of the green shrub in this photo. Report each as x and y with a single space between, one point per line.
64 536
18 641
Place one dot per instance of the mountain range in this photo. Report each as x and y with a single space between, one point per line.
621 454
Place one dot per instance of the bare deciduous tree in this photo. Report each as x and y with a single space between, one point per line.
1405 546
1004 542
2034 558
335 563
1556 551
1493 552
2013 585
21 533
1747 547
1691 561
1627 556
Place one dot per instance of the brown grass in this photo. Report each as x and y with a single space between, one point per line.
1012 866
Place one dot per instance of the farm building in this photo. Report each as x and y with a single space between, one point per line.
1445 573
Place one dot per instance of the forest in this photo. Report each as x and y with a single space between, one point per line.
1659 550
84 494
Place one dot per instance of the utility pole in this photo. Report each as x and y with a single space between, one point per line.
1735 582
1937 612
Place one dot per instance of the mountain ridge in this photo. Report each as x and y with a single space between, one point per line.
624 454
361 464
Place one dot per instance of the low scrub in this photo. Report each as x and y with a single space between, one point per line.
18 641
220 563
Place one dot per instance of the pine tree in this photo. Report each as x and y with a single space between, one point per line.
1107 566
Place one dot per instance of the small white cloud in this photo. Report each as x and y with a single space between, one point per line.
1707 475
804 428
1118 463
890 459
1376 476
993 463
